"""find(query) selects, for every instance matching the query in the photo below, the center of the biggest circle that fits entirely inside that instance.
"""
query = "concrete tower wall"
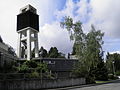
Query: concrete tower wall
(27, 28)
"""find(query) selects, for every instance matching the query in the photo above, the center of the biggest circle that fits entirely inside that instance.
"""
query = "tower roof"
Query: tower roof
(28, 8)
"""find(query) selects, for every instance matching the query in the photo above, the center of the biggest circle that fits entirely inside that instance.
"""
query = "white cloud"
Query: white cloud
(10, 8)
(52, 35)
(104, 14)
(115, 52)
(67, 11)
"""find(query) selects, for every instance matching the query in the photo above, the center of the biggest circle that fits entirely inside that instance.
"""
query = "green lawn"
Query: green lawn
(102, 81)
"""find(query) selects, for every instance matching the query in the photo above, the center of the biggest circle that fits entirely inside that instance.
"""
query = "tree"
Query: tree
(113, 62)
(94, 52)
(43, 52)
(101, 72)
(74, 49)
(87, 47)
(77, 35)
(54, 53)
(11, 50)
(61, 55)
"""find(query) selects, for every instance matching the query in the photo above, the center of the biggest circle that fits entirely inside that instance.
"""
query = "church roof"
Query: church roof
(1, 40)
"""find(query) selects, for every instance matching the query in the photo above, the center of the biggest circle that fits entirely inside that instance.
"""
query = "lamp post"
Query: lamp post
(113, 67)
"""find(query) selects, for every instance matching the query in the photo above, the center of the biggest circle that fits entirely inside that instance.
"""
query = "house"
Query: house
(5, 55)
(62, 68)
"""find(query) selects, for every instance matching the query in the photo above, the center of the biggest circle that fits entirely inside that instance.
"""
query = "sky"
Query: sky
(103, 14)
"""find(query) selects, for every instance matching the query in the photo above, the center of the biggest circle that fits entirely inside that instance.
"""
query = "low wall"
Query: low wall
(34, 84)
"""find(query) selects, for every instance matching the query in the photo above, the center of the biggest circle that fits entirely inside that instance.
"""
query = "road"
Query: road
(110, 86)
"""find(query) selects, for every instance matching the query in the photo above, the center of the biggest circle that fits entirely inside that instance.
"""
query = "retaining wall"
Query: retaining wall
(36, 84)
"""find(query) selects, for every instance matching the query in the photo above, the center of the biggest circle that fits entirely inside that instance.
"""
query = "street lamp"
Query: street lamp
(113, 67)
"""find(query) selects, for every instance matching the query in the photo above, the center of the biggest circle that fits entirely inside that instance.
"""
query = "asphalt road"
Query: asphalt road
(109, 86)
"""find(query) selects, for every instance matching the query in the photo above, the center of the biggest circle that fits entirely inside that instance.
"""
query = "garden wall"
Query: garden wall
(34, 84)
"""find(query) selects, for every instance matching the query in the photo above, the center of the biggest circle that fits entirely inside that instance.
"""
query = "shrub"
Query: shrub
(90, 80)
(34, 75)
(117, 73)
(112, 77)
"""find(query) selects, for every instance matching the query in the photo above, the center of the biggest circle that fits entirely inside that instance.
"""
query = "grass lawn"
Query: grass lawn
(103, 81)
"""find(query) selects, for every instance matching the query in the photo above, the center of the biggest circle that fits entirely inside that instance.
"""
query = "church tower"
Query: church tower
(27, 29)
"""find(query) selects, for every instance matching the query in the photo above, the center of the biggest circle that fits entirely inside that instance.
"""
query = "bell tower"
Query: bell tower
(27, 29)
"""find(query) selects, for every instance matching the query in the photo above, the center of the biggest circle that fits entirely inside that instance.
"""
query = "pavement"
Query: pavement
(113, 85)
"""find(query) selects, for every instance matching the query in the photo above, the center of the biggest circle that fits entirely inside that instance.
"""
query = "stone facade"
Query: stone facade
(5, 56)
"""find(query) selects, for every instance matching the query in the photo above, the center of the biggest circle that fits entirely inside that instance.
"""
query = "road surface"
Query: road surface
(110, 86)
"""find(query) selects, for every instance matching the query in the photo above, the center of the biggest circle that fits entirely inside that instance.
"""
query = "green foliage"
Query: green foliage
(101, 82)
(112, 77)
(101, 72)
(50, 76)
(43, 52)
(117, 73)
(80, 70)
(34, 75)
(90, 79)
(32, 66)
(42, 67)
(33, 69)
(24, 68)
(11, 50)
(53, 53)
(113, 61)
(77, 35)
(61, 55)
(94, 43)
(87, 47)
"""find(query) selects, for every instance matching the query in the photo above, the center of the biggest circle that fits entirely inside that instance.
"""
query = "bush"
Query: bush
(90, 80)
(112, 77)
(34, 75)
(31, 64)
(24, 69)
(101, 72)
(117, 73)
